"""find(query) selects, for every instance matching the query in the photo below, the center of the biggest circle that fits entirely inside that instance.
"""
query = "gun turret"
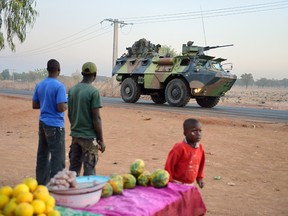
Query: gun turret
(215, 47)
(189, 49)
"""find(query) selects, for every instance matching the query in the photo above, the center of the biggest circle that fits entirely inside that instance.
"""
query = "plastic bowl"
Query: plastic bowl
(83, 200)
(80, 197)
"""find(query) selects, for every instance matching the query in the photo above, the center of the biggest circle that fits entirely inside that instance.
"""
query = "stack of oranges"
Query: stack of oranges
(27, 199)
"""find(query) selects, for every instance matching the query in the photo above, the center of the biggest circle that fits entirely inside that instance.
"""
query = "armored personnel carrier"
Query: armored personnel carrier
(175, 80)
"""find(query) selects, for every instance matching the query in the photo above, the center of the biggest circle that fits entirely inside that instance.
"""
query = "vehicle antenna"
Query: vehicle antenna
(203, 26)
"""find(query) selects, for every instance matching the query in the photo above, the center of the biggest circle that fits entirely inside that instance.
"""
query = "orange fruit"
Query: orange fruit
(20, 188)
(24, 209)
(31, 183)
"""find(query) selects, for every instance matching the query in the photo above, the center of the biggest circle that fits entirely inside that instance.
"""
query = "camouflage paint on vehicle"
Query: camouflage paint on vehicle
(195, 75)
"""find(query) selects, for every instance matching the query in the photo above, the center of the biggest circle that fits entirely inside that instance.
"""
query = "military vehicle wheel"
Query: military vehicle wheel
(208, 102)
(177, 93)
(130, 90)
(158, 98)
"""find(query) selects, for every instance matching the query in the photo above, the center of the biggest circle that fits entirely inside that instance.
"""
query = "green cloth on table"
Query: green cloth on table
(69, 212)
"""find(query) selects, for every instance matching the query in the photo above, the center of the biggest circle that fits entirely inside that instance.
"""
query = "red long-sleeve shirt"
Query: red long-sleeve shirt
(185, 163)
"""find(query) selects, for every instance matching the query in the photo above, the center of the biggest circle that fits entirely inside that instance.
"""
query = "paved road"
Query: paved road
(251, 114)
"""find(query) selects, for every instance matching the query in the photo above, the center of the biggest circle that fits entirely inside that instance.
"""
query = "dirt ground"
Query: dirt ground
(250, 157)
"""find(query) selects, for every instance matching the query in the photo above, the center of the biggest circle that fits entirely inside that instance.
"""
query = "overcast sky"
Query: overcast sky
(71, 31)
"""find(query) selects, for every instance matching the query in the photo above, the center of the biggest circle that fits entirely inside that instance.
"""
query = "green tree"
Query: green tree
(37, 74)
(263, 82)
(17, 16)
(284, 82)
(5, 74)
(247, 79)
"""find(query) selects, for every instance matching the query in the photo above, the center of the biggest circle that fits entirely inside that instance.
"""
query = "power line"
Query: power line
(70, 36)
(57, 45)
(72, 40)
(68, 45)
(208, 13)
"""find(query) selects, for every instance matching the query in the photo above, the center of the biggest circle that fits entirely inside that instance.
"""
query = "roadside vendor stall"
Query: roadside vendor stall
(175, 199)
(116, 195)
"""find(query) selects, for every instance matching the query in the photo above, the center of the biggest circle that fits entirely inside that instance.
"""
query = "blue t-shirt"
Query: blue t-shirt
(50, 92)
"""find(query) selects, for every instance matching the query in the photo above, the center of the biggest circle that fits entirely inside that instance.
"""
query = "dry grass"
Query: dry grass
(269, 98)
(108, 88)
(272, 98)
(17, 85)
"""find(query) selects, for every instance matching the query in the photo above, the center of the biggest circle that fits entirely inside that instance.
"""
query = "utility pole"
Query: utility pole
(115, 42)
(13, 71)
(116, 23)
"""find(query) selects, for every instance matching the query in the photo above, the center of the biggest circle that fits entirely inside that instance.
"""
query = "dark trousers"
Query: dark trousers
(51, 152)
(83, 151)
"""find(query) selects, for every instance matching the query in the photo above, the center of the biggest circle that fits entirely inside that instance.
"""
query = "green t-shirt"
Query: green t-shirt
(82, 98)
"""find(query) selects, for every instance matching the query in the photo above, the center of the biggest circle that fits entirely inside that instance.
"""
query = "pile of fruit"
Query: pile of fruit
(63, 180)
(27, 199)
(137, 176)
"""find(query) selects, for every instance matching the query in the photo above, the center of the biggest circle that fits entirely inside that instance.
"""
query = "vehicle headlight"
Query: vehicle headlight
(196, 90)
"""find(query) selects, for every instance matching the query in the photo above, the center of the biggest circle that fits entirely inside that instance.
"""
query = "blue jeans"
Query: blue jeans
(51, 152)
(83, 152)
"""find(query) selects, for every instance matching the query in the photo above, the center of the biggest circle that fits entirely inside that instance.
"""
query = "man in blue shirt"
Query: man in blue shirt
(50, 97)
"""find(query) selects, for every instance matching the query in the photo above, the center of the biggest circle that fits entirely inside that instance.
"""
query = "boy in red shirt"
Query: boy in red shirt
(186, 160)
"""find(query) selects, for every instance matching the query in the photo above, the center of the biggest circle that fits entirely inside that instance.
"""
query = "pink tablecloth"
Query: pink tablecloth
(173, 200)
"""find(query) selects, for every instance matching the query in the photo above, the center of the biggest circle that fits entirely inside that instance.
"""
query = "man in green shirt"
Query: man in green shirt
(84, 103)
